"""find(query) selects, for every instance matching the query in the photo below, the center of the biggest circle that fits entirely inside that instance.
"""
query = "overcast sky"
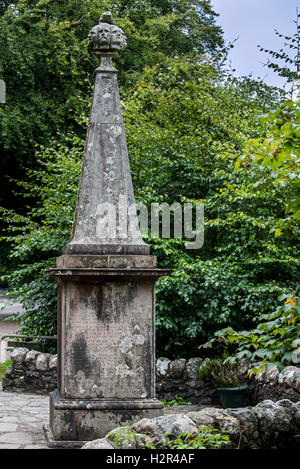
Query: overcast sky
(254, 21)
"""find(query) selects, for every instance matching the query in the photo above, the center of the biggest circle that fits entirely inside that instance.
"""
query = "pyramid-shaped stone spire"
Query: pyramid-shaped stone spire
(105, 218)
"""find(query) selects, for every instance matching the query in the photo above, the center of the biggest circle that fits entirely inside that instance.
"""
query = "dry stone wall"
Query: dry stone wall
(31, 372)
(36, 372)
(180, 377)
(268, 425)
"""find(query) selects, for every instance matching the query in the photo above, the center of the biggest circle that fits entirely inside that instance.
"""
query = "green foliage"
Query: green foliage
(3, 368)
(38, 237)
(278, 157)
(174, 402)
(274, 340)
(207, 438)
(186, 124)
(45, 65)
(124, 438)
(221, 373)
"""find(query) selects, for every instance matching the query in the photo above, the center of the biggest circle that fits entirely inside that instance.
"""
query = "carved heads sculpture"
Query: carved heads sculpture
(118, 38)
(106, 36)
(93, 38)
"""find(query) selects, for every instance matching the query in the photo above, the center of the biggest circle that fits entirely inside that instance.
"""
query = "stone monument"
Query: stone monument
(106, 278)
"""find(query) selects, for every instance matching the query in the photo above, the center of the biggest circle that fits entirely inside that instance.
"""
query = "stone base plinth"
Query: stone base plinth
(106, 345)
(82, 420)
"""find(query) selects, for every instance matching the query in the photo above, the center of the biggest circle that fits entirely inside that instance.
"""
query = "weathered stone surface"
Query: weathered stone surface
(248, 426)
(112, 354)
(105, 218)
(95, 418)
(272, 375)
(94, 261)
(293, 408)
(217, 418)
(31, 356)
(274, 385)
(42, 361)
(162, 367)
(102, 443)
(192, 367)
(180, 377)
(272, 417)
(289, 375)
(106, 36)
(18, 355)
(167, 427)
(177, 368)
(53, 362)
(9, 372)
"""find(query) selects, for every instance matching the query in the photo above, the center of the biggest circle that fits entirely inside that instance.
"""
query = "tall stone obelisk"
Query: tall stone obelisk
(106, 278)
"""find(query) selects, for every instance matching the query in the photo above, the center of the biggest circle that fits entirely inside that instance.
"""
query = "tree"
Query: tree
(286, 61)
(277, 155)
(46, 66)
(279, 151)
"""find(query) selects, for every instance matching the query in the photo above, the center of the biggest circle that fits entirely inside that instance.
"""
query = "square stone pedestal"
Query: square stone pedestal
(106, 345)
(73, 422)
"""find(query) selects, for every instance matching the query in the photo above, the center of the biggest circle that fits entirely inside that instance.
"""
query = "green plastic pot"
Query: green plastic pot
(232, 397)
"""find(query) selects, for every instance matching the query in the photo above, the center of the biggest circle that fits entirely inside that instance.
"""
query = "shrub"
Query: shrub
(274, 340)
(221, 373)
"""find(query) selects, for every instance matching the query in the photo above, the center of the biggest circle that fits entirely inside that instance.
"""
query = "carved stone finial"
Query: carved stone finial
(106, 17)
(106, 36)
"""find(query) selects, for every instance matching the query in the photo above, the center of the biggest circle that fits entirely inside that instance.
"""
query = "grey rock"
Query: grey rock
(272, 418)
(162, 367)
(31, 356)
(18, 355)
(249, 425)
(271, 376)
(53, 362)
(192, 367)
(291, 406)
(289, 375)
(260, 378)
(177, 368)
(216, 418)
(42, 361)
(244, 366)
(102, 443)
(162, 429)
